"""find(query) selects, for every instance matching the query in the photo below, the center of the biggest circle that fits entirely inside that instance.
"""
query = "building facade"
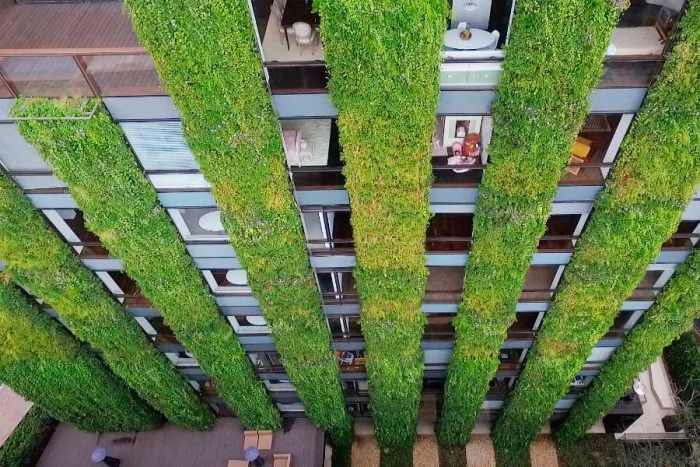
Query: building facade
(90, 50)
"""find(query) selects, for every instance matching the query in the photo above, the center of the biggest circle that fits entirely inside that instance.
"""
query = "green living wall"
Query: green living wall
(45, 364)
(672, 314)
(119, 204)
(36, 258)
(214, 74)
(671, 112)
(683, 363)
(655, 176)
(384, 61)
(23, 447)
(553, 62)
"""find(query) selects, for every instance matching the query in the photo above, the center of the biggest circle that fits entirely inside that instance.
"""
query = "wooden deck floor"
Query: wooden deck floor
(67, 27)
(173, 447)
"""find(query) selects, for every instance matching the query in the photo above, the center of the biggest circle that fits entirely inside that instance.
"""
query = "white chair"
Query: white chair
(462, 25)
(279, 4)
(304, 37)
(496, 35)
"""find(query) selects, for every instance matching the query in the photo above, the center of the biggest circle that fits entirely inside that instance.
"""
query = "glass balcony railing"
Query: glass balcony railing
(79, 75)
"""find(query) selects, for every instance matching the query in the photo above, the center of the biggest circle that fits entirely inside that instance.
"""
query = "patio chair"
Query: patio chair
(250, 438)
(282, 460)
(265, 440)
(276, 16)
(304, 36)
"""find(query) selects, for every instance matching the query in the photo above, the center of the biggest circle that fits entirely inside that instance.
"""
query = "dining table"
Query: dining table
(298, 11)
(480, 39)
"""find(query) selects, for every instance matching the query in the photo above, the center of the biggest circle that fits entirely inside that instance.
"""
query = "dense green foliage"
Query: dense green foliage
(672, 314)
(126, 215)
(45, 364)
(552, 65)
(683, 362)
(37, 259)
(384, 60)
(654, 178)
(215, 77)
(23, 447)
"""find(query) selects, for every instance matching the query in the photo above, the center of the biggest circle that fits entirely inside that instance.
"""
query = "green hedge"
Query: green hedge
(119, 204)
(216, 79)
(37, 259)
(672, 314)
(45, 364)
(683, 362)
(23, 447)
(655, 176)
(384, 61)
(553, 63)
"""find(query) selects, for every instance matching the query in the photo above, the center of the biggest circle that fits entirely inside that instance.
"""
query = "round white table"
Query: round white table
(237, 277)
(211, 221)
(480, 39)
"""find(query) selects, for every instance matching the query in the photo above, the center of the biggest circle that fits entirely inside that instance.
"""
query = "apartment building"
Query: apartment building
(90, 50)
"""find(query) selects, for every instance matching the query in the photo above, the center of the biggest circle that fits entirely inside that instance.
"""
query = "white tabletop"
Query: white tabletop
(479, 40)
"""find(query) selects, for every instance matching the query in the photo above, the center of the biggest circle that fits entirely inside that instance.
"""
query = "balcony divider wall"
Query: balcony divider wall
(42, 362)
(543, 100)
(119, 205)
(656, 175)
(214, 74)
(38, 260)
(384, 62)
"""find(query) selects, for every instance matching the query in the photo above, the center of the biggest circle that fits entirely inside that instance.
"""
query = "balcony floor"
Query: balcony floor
(65, 28)
(172, 447)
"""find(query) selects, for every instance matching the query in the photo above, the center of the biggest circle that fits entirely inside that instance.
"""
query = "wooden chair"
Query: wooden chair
(282, 460)
(237, 464)
(264, 440)
(250, 438)
(580, 152)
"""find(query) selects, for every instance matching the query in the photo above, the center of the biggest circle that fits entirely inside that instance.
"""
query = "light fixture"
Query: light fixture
(471, 5)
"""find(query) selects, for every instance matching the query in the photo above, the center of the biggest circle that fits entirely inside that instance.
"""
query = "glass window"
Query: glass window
(328, 231)
(539, 283)
(45, 76)
(160, 145)
(199, 223)
(460, 148)
(16, 154)
(449, 232)
(445, 284)
(249, 324)
(345, 327)
(439, 327)
(488, 23)
(645, 28)
(227, 281)
(124, 75)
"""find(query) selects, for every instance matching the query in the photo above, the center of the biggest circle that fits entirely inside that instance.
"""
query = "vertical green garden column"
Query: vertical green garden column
(654, 178)
(119, 204)
(384, 59)
(672, 315)
(45, 364)
(214, 74)
(36, 258)
(553, 62)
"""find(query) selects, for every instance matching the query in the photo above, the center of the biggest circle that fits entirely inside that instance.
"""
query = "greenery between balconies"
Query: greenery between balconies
(683, 363)
(672, 314)
(36, 258)
(46, 365)
(214, 75)
(119, 204)
(655, 176)
(384, 61)
(553, 62)
(23, 447)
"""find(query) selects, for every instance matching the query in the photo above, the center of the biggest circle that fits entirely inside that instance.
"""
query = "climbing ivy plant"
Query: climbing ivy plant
(126, 215)
(214, 74)
(553, 62)
(384, 61)
(655, 176)
(45, 364)
(37, 259)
